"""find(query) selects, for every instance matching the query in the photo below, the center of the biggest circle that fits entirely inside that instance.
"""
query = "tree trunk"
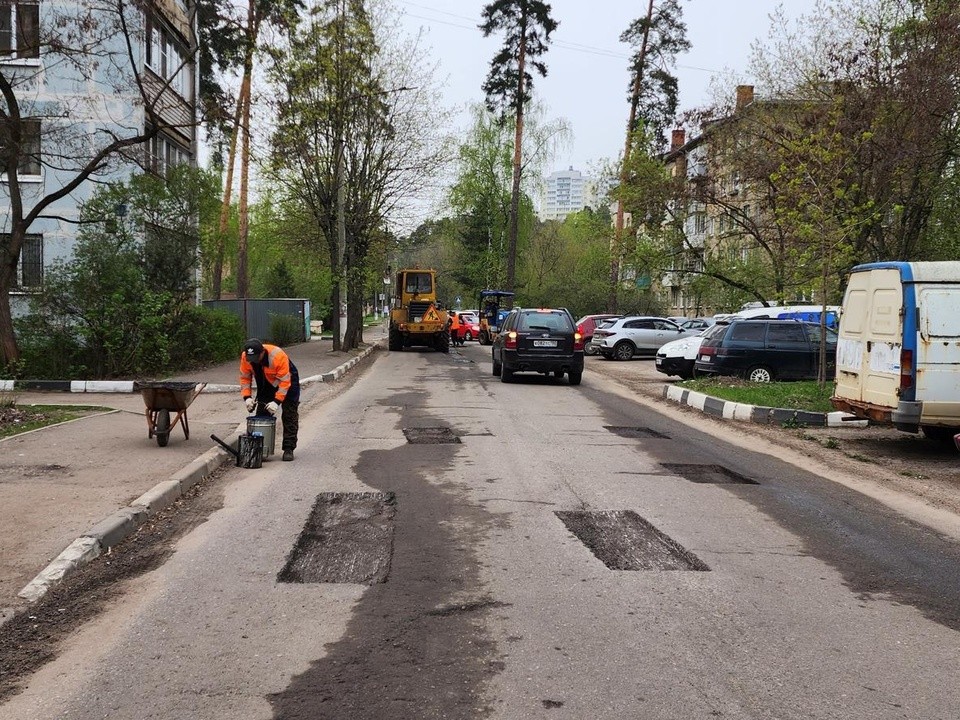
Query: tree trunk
(616, 251)
(514, 226)
(9, 352)
(217, 280)
(244, 224)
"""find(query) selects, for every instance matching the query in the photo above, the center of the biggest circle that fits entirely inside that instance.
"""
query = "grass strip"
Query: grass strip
(800, 395)
(16, 419)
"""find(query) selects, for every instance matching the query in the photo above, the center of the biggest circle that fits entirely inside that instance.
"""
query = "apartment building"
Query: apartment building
(89, 81)
(566, 191)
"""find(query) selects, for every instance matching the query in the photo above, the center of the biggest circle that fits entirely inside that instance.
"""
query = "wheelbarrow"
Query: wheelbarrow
(163, 398)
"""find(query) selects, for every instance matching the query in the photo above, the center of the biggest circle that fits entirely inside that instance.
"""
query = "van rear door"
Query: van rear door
(871, 331)
(938, 344)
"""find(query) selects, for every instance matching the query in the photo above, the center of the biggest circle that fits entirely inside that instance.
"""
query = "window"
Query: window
(19, 30)
(418, 283)
(786, 334)
(166, 56)
(30, 268)
(165, 154)
(747, 332)
(29, 163)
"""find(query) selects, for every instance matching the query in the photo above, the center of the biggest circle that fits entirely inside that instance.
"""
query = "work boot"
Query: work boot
(287, 455)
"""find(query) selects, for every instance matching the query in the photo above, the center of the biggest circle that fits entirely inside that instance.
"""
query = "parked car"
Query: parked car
(544, 340)
(471, 324)
(765, 350)
(586, 326)
(679, 356)
(697, 323)
(636, 335)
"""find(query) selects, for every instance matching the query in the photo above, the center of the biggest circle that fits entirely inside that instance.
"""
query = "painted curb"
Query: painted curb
(129, 386)
(730, 410)
(124, 522)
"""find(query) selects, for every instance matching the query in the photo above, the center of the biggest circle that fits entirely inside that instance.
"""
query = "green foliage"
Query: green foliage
(201, 336)
(280, 284)
(122, 306)
(285, 329)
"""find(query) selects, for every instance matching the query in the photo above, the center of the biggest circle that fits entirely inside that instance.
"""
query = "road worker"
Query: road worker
(278, 386)
(455, 336)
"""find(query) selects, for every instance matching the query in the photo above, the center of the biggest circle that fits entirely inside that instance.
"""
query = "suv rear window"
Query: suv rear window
(545, 320)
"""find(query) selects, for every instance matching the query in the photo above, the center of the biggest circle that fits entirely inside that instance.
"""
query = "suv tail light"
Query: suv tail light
(580, 329)
(578, 340)
(708, 350)
(906, 369)
(511, 341)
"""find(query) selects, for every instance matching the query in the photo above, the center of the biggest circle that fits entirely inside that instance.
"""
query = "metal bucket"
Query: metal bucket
(267, 426)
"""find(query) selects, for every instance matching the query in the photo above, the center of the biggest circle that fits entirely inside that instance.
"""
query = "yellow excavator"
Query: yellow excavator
(415, 318)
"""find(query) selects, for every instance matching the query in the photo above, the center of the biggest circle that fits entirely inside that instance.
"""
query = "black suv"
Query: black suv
(765, 350)
(544, 340)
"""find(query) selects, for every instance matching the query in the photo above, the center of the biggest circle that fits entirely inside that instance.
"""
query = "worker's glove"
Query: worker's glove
(272, 407)
(250, 403)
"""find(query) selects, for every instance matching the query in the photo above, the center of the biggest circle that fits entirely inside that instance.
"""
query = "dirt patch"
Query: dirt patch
(33, 636)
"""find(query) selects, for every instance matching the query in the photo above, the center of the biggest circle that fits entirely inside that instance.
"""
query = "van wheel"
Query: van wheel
(589, 349)
(938, 434)
(623, 350)
(496, 366)
(759, 373)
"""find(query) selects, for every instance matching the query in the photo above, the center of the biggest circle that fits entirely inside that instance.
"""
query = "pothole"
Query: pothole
(622, 540)
(430, 436)
(348, 538)
(713, 474)
(636, 432)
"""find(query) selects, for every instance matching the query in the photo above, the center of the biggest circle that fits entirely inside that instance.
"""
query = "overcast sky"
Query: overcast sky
(587, 80)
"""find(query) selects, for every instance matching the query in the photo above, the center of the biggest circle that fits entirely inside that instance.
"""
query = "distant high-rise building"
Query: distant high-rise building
(566, 193)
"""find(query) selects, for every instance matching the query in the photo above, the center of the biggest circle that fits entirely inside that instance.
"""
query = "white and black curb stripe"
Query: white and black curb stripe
(128, 386)
(729, 410)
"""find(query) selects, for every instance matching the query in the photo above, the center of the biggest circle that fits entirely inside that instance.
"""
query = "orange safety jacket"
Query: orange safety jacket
(276, 371)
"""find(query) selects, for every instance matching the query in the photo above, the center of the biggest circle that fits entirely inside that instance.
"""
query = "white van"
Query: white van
(898, 357)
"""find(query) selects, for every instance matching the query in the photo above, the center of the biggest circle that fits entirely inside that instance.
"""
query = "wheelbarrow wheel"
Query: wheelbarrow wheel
(163, 427)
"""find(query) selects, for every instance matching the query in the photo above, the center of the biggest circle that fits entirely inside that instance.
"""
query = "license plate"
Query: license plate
(544, 343)
(705, 358)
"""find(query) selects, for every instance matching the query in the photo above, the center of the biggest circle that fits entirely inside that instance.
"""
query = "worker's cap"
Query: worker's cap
(252, 349)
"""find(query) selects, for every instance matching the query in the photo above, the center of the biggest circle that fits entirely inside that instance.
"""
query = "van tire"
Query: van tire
(760, 373)
(496, 366)
(938, 433)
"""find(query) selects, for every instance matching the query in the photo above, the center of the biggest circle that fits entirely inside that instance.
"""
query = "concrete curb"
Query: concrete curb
(729, 410)
(124, 522)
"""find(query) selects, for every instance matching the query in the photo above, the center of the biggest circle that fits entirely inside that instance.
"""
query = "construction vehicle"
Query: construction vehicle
(491, 314)
(415, 318)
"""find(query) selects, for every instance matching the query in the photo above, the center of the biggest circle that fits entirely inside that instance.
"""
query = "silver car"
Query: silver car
(636, 335)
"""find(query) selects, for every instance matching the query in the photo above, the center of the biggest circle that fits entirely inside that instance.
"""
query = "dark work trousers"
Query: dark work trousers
(290, 407)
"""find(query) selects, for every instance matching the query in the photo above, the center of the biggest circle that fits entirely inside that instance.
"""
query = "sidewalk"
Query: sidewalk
(84, 485)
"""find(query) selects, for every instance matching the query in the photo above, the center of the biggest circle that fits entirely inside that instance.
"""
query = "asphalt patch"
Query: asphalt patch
(636, 432)
(622, 540)
(348, 538)
(431, 436)
(708, 474)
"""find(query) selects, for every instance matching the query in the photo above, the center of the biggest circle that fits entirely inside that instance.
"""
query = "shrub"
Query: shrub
(286, 329)
(200, 336)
